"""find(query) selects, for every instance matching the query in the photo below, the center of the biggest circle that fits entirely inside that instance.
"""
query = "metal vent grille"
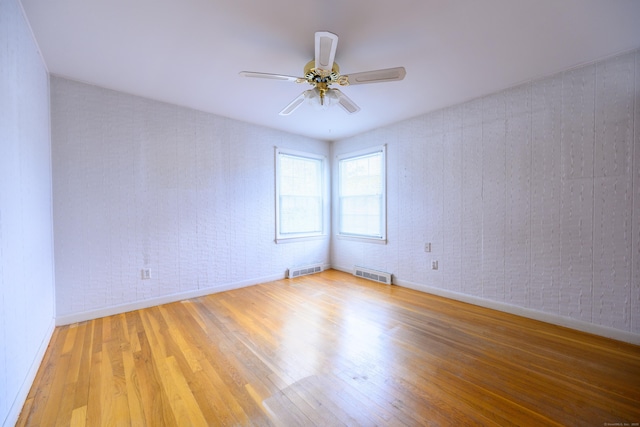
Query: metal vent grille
(375, 275)
(303, 271)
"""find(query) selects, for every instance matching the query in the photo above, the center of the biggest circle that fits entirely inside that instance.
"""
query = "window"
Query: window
(299, 195)
(361, 194)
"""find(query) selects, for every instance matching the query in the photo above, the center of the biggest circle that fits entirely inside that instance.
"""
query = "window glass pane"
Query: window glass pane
(361, 207)
(300, 195)
(361, 215)
(300, 176)
(300, 214)
(361, 175)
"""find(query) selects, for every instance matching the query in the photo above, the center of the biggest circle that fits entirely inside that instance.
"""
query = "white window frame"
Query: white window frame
(382, 238)
(297, 236)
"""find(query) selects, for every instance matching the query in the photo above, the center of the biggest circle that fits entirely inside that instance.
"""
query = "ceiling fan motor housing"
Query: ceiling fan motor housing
(314, 75)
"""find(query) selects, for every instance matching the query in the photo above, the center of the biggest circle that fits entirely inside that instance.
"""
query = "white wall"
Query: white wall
(26, 247)
(143, 184)
(530, 198)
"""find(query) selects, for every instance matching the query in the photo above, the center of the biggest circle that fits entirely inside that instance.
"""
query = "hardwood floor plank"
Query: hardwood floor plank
(73, 340)
(94, 398)
(69, 341)
(107, 389)
(209, 389)
(79, 417)
(27, 408)
(134, 397)
(287, 413)
(38, 396)
(235, 386)
(81, 361)
(231, 371)
(330, 349)
(181, 397)
(156, 408)
(53, 399)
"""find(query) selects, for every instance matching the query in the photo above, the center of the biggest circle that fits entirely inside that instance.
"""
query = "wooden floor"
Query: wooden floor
(329, 350)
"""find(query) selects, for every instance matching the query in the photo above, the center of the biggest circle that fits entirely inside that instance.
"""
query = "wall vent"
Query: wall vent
(375, 275)
(303, 271)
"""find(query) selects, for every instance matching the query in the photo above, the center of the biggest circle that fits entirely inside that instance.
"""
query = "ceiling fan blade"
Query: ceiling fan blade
(377, 76)
(346, 103)
(326, 44)
(293, 105)
(270, 76)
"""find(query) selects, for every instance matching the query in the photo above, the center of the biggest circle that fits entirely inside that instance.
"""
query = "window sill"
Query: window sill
(362, 239)
(299, 239)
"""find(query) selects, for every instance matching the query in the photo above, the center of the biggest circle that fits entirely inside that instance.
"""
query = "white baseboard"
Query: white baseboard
(554, 319)
(23, 393)
(165, 299)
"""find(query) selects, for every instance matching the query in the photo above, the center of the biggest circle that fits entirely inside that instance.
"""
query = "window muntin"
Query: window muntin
(361, 194)
(299, 195)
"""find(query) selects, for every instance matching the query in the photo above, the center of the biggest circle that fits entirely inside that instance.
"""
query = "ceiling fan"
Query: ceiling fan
(323, 71)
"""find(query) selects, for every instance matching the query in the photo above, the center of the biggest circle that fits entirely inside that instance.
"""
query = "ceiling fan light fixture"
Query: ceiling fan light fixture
(332, 96)
(321, 99)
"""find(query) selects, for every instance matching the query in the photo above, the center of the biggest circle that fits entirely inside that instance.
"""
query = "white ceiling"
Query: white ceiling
(189, 52)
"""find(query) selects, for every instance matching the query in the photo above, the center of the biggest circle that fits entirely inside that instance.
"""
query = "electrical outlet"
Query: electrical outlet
(434, 265)
(427, 247)
(145, 274)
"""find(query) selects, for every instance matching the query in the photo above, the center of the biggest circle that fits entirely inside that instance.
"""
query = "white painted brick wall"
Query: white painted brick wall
(634, 304)
(494, 197)
(546, 242)
(613, 203)
(451, 201)
(471, 190)
(538, 197)
(576, 206)
(26, 244)
(143, 184)
(518, 194)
